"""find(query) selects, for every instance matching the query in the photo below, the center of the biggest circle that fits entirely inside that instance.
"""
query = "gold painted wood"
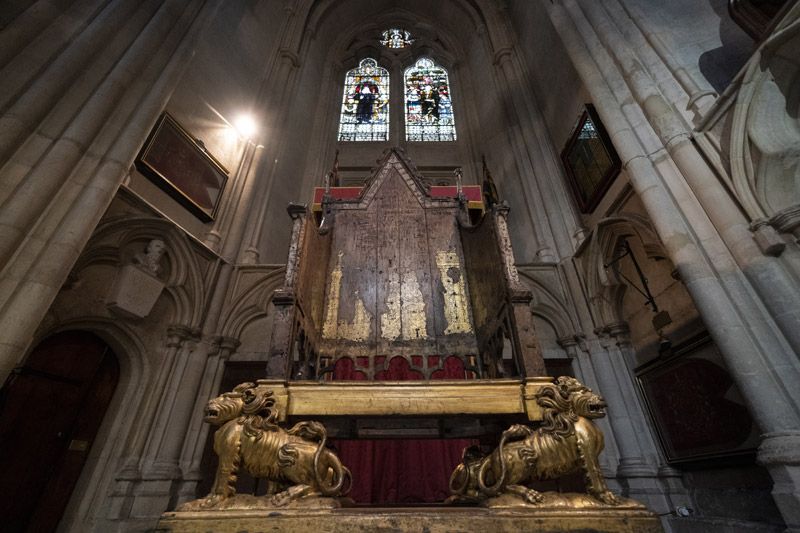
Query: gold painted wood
(430, 519)
(408, 398)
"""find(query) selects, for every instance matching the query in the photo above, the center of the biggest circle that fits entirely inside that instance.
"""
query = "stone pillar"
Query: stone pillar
(700, 100)
(194, 444)
(130, 474)
(759, 357)
(619, 394)
(65, 147)
(765, 273)
(640, 470)
(273, 94)
(238, 198)
(508, 73)
(780, 454)
(578, 351)
(160, 467)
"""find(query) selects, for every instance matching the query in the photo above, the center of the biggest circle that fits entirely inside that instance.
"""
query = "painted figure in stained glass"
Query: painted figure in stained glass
(429, 110)
(366, 93)
(365, 105)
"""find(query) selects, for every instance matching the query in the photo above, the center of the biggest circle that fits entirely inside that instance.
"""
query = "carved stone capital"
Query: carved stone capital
(177, 335)
(577, 341)
(780, 448)
(567, 341)
(767, 237)
(224, 346)
(787, 220)
(617, 332)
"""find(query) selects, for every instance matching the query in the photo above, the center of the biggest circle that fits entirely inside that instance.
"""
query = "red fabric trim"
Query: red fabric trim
(391, 471)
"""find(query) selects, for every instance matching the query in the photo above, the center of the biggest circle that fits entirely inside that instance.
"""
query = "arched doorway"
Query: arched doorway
(50, 410)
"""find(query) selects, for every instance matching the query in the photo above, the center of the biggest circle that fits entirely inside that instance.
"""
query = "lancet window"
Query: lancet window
(365, 103)
(429, 110)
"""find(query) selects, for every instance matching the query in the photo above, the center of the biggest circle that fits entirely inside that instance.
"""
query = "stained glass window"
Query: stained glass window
(365, 104)
(429, 111)
(396, 38)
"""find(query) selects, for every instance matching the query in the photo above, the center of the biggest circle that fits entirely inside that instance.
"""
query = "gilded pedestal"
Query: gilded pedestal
(623, 518)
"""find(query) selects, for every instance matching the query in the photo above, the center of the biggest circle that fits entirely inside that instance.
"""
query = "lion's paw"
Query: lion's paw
(281, 499)
(525, 494)
(534, 497)
(211, 501)
(609, 498)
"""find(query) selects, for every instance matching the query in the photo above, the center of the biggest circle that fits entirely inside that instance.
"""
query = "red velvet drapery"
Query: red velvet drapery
(392, 471)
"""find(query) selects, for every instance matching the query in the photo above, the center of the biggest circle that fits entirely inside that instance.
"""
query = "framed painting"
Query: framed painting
(176, 162)
(698, 410)
(590, 160)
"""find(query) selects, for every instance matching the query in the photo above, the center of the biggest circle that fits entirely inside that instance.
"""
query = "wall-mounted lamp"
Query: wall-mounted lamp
(245, 125)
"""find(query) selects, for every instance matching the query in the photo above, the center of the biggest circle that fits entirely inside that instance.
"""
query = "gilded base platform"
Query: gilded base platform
(413, 519)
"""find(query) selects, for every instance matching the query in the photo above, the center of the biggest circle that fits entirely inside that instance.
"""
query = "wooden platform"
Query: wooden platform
(413, 519)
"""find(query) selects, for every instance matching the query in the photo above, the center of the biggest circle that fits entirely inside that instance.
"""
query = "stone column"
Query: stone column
(238, 196)
(765, 274)
(508, 72)
(578, 351)
(274, 94)
(196, 435)
(700, 100)
(130, 473)
(65, 147)
(618, 393)
(641, 471)
(171, 419)
(186, 343)
(758, 356)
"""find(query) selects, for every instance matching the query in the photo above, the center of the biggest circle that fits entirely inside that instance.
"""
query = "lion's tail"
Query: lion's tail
(494, 490)
(459, 480)
(516, 431)
(341, 475)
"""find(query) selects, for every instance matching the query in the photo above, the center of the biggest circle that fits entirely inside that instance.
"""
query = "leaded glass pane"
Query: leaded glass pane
(365, 104)
(396, 38)
(429, 110)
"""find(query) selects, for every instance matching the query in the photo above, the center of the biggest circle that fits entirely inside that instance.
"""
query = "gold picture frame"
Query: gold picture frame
(180, 165)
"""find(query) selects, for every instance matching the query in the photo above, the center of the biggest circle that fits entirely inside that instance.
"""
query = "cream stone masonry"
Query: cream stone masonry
(729, 278)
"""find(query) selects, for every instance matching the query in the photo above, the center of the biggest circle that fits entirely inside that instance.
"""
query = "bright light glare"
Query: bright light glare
(245, 125)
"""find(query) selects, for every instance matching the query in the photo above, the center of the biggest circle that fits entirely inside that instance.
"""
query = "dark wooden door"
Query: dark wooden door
(50, 411)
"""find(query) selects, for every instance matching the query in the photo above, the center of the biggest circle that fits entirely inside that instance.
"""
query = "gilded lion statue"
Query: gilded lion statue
(566, 442)
(295, 462)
